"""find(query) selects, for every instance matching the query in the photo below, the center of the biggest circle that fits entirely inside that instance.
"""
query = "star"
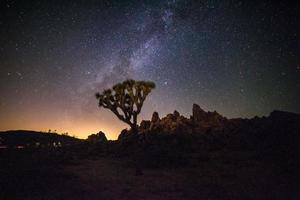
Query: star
(223, 56)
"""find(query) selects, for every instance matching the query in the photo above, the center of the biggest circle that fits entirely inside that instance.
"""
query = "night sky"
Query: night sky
(240, 58)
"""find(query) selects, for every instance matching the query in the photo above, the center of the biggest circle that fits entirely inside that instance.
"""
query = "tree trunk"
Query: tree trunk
(138, 153)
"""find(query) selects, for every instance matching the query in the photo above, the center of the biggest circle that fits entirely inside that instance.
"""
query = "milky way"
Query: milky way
(240, 58)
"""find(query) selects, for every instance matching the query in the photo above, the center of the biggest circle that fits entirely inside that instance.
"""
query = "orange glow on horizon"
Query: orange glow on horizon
(80, 128)
(77, 121)
(82, 133)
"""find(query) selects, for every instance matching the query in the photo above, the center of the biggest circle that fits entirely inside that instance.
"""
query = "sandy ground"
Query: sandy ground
(112, 179)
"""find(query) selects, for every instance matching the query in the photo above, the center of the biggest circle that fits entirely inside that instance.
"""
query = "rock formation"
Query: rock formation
(97, 138)
(207, 119)
(155, 117)
(145, 125)
(211, 124)
(200, 121)
(154, 123)
(198, 113)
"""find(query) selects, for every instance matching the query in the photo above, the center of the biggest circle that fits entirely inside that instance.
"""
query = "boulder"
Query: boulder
(175, 123)
(207, 119)
(145, 124)
(176, 114)
(124, 134)
(97, 138)
(155, 117)
(155, 120)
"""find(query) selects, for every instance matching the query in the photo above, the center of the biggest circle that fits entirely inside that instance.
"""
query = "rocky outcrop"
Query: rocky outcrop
(209, 131)
(200, 121)
(97, 138)
(155, 120)
(212, 123)
(284, 116)
(155, 117)
(198, 113)
(176, 114)
(175, 123)
(124, 134)
(172, 123)
(207, 119)
(145, 125)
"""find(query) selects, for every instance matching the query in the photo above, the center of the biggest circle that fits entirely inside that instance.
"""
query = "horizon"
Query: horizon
(116, 136)
(238, 58)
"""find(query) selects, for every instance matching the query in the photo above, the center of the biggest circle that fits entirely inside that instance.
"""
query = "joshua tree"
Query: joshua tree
(126, 99)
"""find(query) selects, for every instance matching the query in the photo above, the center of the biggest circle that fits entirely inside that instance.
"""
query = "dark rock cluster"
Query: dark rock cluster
(200, 121)
(212, 130)
(97, 138)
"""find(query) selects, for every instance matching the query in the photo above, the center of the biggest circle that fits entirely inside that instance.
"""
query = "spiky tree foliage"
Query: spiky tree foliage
(126, 99)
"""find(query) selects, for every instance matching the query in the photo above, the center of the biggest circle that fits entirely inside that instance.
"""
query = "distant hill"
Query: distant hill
(24, 138)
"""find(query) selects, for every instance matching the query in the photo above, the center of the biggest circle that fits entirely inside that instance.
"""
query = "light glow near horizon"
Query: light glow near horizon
(236, 57)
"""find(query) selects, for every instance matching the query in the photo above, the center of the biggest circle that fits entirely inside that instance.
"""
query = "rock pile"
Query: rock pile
(97, 138)
(200, 121)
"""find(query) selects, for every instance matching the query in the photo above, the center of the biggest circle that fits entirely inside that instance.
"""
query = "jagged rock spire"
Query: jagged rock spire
(155, 117)
(198, 113)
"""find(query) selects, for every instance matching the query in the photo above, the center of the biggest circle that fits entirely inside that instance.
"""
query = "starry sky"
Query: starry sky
(240, 58)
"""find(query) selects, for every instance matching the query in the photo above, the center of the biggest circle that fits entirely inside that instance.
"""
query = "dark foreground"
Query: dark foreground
(226, 174)
(204, 157)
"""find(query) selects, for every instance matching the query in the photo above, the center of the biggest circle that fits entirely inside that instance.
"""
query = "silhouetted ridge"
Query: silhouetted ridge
(201, 122)
(284, 116)
(33, 138)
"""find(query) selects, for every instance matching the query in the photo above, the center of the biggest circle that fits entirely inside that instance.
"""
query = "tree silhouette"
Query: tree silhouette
(126, 99)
